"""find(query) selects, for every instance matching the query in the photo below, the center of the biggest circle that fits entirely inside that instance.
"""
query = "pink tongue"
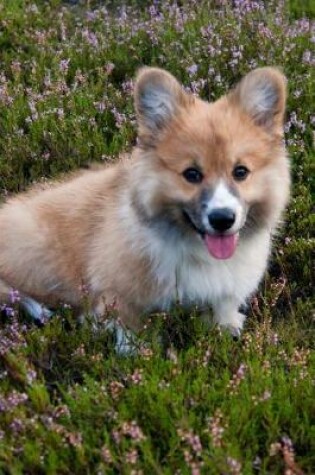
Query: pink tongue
(221, 247)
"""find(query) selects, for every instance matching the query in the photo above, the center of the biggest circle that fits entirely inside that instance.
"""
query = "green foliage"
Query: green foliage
(202, 403)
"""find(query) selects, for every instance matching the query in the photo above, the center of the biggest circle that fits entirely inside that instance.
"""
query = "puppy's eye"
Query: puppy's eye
(240, 173)
(193, 175)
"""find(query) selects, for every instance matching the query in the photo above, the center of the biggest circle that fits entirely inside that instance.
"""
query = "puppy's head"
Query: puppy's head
(216, 171)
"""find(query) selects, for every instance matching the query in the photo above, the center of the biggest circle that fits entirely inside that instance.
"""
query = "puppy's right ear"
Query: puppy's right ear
(158, 98)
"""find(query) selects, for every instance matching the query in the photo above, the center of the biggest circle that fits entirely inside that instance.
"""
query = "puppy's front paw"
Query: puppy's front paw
(124, 338)
(37, 311)
(234, 331)
(233, 322)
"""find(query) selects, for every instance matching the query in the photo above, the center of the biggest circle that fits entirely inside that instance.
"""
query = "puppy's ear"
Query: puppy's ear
(262, 95)
(158, 98)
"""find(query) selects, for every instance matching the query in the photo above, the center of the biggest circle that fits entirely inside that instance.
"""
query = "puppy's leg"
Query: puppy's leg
(227, 315)
(37, 311)
(125, 326)
(125, 339)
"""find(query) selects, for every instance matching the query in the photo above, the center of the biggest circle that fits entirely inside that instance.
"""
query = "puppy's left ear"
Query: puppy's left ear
(262, 95)
(158, 98)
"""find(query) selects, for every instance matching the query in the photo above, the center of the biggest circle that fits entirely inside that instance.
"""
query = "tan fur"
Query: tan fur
(87, 231)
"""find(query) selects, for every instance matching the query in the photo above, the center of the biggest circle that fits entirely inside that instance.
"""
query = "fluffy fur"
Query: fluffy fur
(136, 232)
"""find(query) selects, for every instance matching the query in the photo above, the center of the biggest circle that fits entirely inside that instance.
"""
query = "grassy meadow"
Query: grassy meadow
(203, 403)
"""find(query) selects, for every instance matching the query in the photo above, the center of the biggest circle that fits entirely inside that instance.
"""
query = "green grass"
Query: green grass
(202, 402)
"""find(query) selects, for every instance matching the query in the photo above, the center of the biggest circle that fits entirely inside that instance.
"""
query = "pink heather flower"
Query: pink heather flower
(12, 400)
(91, 15)
(63, 32)
(192, 70)
(115, 389)
(274, 338)
(132, 457)
(241, 371)
(234, 466)
(237, 378)
(16, 425)
(47, 80)
(31, 375)
(100, 106)
(252, 64)
(12, 335)
(74, 439)
(187, 456)
(133, 430)
(90, 37)
(123, 15)
(5, 98)
(286, 449)
(60, 113)
(216, 428)
(264, 31)
(14, 296)
(266, 395)
(153, 11)
(136, 377)
(106, 455)
(297, 93)
(16, 67)
(120, 119)
(79, 79)
(196, 86)
(307, 56)
(40, 37)
(80, 351)
(128, 86)
(32, 9)
(92, 121)
(109, 67)
(116, 435)
(145, 352)
(191, 439)
(64, 65)
(61, 411)
(278, 288)
(32, 107)
(9, 311)
(195, 444)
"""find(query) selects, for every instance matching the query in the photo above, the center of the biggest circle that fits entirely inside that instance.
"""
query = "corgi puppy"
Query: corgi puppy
(189, 216)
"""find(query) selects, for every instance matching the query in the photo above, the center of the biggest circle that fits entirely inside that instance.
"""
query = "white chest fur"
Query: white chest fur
(188, 273)
(183, 269)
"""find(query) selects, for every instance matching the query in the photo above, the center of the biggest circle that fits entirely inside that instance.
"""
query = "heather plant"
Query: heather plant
(201, 402)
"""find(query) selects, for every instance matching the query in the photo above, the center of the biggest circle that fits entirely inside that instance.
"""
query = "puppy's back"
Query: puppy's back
(45, 235)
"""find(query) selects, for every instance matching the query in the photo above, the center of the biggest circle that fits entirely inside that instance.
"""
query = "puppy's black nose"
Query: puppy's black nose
(221, 219)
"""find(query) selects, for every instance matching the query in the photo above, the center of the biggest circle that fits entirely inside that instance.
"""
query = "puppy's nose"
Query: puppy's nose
(221, 219)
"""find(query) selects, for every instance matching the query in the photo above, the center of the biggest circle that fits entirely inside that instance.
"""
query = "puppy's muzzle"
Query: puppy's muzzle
(221, 219)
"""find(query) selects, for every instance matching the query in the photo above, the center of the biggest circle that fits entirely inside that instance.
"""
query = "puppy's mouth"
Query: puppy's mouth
(219, 245)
